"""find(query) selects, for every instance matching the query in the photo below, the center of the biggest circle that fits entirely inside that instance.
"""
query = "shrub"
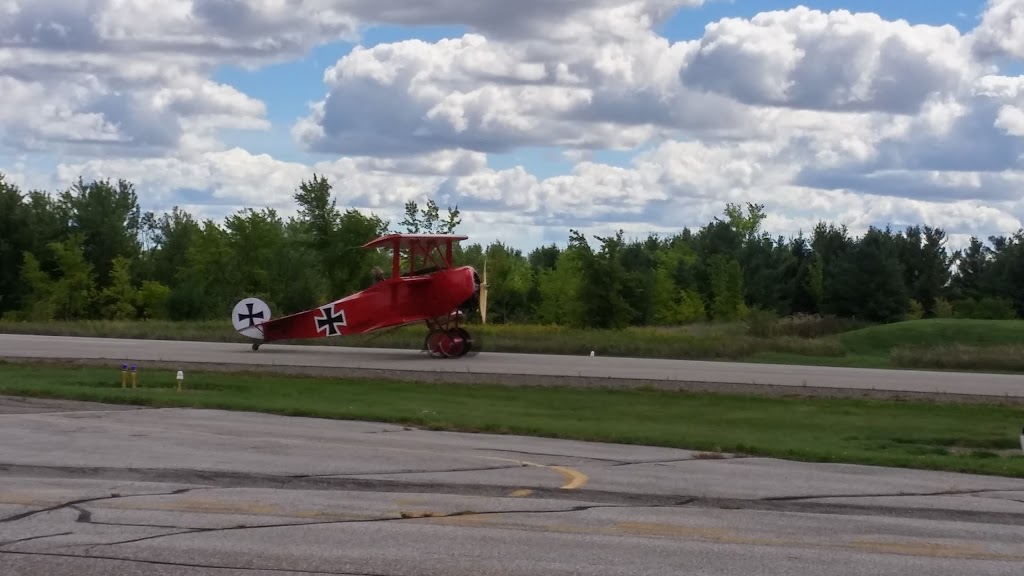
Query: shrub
(761, 323)
(988, 308)
(816, 325)
(943, 308)
(1008, 358)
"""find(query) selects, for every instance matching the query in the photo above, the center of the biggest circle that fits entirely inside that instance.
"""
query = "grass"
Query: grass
(939, 344)
(964, 438)
(845, 361)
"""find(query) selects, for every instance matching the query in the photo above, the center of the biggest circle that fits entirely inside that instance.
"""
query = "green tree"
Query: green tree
(152, 300)
(510, 280)
(295, 268)
(37, 304)
(171, 239)
(747, 226)
(428, 219)
(674, 299)
(1004, 277)
(869, 280)
(107, 218)
(559, 289)
(690, 307)
(336, 237)
(15, 241)
(805, 278)
(726, 288)
(603, 282)
(925, 265)
(971, 265)
(207, 285)
(832, 246)
(90, 252)
(117, 301)
(252, 241)
(73, 293)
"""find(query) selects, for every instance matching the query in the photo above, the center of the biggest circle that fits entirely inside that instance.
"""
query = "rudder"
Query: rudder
(248, 315)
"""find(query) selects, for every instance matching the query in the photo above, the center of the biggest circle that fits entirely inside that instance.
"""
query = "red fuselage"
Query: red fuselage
(409, 299)
(392, 302)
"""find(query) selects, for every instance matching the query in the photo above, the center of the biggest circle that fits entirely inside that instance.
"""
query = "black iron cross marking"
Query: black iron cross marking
(329, 321)
(251, 316)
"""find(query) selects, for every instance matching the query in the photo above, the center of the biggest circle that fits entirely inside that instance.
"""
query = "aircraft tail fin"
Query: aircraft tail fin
(248, 316)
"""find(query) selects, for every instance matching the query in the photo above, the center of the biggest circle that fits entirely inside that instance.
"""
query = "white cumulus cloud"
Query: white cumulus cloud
(839, 115)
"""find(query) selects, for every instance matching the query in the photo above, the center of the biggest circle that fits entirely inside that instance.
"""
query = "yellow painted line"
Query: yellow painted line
(574, 478)
(521, 493)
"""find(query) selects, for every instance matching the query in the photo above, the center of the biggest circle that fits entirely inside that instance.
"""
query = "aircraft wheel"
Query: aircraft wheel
(255, 346)
(439, 344)
(464, 341)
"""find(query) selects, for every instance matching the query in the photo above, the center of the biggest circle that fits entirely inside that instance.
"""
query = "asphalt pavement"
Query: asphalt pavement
(88, 489)
(512, 368)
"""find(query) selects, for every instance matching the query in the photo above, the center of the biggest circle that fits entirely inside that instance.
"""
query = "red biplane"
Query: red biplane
(431, 290)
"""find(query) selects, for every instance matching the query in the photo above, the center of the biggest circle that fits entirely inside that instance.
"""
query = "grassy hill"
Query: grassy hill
(938, 332)
(937, 344)
(944, 344)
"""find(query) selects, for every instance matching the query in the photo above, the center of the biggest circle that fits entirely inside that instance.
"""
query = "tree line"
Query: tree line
(90, 252)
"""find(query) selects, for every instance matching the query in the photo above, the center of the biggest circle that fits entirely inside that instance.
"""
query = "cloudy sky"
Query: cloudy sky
(645, 115)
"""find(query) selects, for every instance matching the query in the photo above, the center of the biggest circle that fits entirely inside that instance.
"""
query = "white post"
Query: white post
(181, 376)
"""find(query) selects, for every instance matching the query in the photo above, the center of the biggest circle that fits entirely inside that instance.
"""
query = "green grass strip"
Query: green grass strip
(913, 434)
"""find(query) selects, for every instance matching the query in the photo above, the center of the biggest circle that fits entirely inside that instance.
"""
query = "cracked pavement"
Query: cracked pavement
(90, 489)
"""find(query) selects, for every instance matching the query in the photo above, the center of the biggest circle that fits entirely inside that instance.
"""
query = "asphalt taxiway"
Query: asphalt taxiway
(513, 368)
(88, 489)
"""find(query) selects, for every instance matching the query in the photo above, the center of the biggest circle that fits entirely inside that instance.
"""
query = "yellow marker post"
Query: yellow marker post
(124, 375)
(134, 377)
(181, 376)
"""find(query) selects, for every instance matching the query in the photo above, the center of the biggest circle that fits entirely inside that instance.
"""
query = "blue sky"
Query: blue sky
(288, 88)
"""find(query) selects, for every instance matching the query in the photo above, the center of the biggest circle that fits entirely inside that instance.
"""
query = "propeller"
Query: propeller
(483, 295)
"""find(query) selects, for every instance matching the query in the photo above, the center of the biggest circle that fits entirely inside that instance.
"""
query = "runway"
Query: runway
(94, 490)
(512, 368)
